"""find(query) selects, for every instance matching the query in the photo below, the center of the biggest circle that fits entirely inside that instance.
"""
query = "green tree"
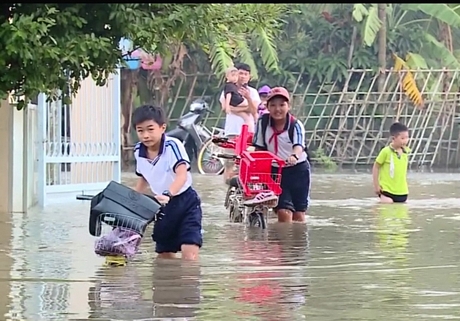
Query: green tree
(45, 45)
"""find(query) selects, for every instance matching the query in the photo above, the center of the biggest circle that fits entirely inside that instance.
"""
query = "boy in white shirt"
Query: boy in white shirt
(282, 134)
(163, 164)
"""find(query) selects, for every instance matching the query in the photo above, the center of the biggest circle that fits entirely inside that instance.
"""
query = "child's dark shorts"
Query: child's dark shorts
(181, 223)
(295, 183)
(395, 198)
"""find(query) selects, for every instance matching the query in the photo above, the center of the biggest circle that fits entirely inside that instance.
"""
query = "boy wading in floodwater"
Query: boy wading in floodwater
(282, 134)
(389, 173)
(163, 164)
(232, 98)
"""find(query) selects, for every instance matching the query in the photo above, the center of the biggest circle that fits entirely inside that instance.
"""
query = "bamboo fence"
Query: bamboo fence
(348, 121)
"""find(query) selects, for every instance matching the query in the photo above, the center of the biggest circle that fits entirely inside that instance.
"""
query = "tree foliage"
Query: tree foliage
(44, 45)
(323, 41)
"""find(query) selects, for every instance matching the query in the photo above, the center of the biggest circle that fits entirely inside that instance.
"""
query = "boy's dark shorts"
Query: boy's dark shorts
(295, 183)
(395, 198)
(181, 223)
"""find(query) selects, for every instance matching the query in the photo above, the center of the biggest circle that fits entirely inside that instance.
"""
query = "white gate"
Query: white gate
(79, 144)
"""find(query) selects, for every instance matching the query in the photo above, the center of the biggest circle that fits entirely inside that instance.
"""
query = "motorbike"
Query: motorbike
(194, 135)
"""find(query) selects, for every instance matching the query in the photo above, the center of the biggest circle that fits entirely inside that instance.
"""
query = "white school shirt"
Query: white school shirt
(285, 145)
(160, 172)
(233, 123)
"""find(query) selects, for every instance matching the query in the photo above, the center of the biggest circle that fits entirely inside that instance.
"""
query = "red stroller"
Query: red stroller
(246, 197)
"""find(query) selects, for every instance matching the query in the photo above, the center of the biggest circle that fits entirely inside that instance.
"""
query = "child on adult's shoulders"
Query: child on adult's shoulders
(389, 173)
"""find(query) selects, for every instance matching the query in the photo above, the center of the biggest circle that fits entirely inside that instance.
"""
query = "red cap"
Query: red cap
(279, 91)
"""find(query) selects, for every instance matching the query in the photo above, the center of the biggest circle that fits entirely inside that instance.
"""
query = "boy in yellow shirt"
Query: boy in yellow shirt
(389, 173)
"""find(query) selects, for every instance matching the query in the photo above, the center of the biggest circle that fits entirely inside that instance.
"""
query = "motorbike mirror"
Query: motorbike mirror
(207, 99)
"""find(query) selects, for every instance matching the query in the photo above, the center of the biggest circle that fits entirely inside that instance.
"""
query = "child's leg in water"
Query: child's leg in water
(385, 199)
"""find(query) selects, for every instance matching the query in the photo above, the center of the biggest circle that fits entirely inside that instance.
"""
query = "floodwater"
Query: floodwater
(353, 260)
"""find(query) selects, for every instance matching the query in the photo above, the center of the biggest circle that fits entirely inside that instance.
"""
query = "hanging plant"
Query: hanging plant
(132, 63)
(148, 61)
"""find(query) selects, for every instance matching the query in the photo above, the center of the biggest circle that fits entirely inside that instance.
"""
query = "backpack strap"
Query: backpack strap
(292, 122)
(264, 124)
(264, 119)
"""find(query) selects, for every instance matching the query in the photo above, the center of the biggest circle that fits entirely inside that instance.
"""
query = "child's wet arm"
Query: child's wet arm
(379, 161)
(375, 174)
(141, 185)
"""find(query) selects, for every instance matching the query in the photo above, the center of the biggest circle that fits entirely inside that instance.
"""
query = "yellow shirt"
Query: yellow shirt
(393, 171)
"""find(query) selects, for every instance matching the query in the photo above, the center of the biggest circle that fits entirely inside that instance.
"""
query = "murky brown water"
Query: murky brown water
(356, 261)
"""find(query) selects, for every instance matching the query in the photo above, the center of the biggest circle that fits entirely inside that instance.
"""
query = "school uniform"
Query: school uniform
(181, 222)
(295, 179)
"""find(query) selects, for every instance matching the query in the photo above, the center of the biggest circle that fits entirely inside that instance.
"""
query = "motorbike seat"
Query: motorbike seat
(178, 133)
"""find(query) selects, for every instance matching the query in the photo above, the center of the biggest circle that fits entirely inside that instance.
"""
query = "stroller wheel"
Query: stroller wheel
(257, 219)
(115, 261)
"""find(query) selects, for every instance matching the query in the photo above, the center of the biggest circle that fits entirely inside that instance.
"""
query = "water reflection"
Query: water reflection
(120, 294)
(392, 234)
(357, 260)
(393, 221)
(176, 288)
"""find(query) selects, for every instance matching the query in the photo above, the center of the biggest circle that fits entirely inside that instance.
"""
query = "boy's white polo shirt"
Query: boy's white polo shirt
(160, 172)
(283, 147)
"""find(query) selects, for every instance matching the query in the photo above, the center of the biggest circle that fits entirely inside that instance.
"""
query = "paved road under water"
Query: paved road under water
(353, 260)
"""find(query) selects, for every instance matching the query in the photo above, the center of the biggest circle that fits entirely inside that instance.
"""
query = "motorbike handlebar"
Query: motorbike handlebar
(226, 156)
(219, 140)
(84, 197)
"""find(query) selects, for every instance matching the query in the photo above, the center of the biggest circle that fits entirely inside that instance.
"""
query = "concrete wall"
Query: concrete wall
(17, 158)
(6, 141)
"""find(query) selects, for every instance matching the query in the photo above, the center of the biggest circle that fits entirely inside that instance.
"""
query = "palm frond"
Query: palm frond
(244, 53)
(220, 56)
(266, 45)
(415, 61)
(438, 50)
(371, 26)
(359, 12)
(441, 12)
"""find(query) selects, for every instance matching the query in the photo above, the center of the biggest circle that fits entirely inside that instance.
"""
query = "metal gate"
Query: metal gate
(79, 144)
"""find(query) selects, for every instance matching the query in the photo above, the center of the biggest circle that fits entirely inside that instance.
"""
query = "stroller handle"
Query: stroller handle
(83, 197)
